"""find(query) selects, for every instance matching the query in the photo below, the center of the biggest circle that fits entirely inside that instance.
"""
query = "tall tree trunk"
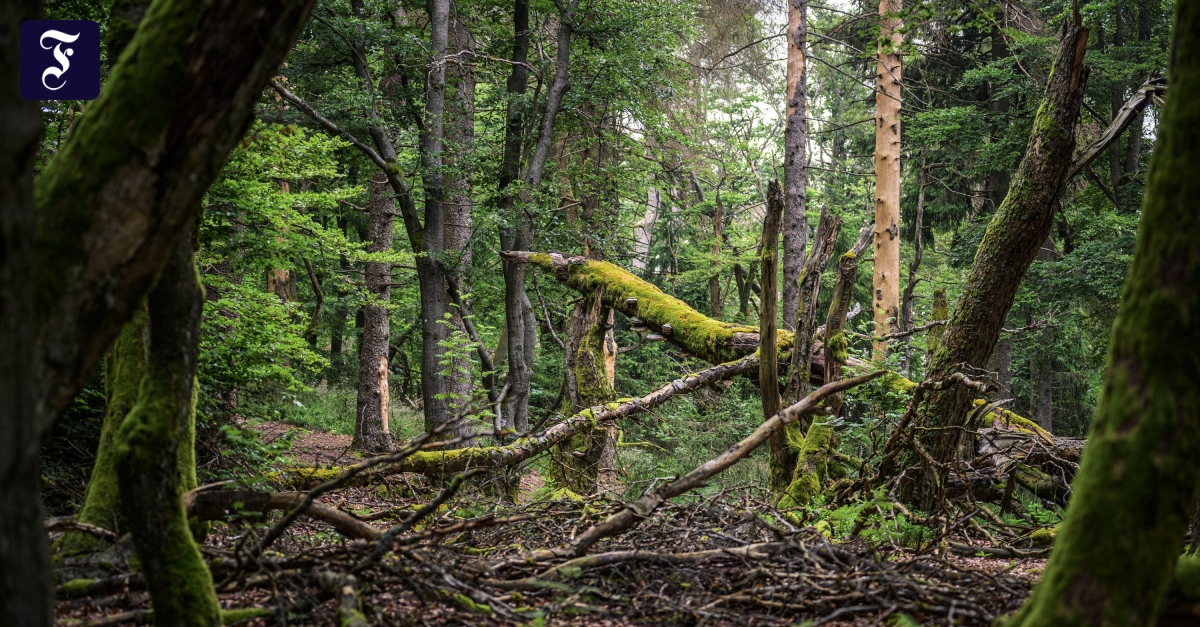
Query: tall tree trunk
(166, 123)
(1135, 490)
(1042, 392)
(907, 297)
(590, 348)
(371, 429)
(460, 144)
(25, 592)
(519, 322)
(886, 283)
(1012, 240)
(1001, 364)
(434, 299)
(1116, 101)
(123, 371)
(1133, 151)
(519, 316)
(795, 165)
(644, 229)
(1042, 369)
(837, 345)
(768, 316)
(148, 443)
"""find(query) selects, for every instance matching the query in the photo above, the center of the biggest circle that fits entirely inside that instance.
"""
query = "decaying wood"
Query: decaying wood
(1152, 90)
(634, 512)
(454, 460)
(222, 504)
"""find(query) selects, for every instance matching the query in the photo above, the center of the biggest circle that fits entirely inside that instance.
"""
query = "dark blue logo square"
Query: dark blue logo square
(60, 60)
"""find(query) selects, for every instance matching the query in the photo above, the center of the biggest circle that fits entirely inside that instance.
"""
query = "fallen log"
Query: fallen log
(639, 510)
(222, 504)
(456, 460)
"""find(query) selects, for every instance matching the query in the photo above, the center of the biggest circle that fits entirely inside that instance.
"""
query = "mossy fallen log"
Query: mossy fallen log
(456, 460)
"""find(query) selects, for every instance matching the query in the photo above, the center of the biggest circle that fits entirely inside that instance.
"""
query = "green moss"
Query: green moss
(812, 464)
(125, 125)
(232, 617)
(560, 494)
(699, 334)
(1015, 421)
(465, 602)
(1043, 536)
(123, 375)
(77, 587)
(1186, 580)
(839, 345)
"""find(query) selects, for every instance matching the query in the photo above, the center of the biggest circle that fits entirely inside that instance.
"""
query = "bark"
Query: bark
(837, 345)
(435, 389)
(371, 429)
(588, 459)
(795, 162)
(519, 321)
(643, 230)
(907, 297)
(25, 592)
(123, 371)
(887, 174)
(937, 333)
(460, 143)
(1001, 364)
(810, 290)
(109, 207)
(1011, 242)
(1116, 95)
(768, 350)
(1135, 490)
(180, 585)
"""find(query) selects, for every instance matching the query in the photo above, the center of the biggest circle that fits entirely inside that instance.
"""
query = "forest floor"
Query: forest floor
(723, 559)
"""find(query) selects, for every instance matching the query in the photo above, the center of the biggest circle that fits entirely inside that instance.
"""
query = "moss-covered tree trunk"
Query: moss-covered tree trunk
(1011, 241)
(180, 586)
(109, 206)
(589, 458)
(1135, 490)
(25, 593)
(123, 372)
(800, 370)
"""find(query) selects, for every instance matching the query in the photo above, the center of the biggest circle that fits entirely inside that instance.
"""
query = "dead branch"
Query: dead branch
(1152, 90)
(634, 512)
(69, 523)
(223, 504)
(455, 460)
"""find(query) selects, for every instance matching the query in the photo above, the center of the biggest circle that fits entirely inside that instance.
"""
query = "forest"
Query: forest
(602, 313)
